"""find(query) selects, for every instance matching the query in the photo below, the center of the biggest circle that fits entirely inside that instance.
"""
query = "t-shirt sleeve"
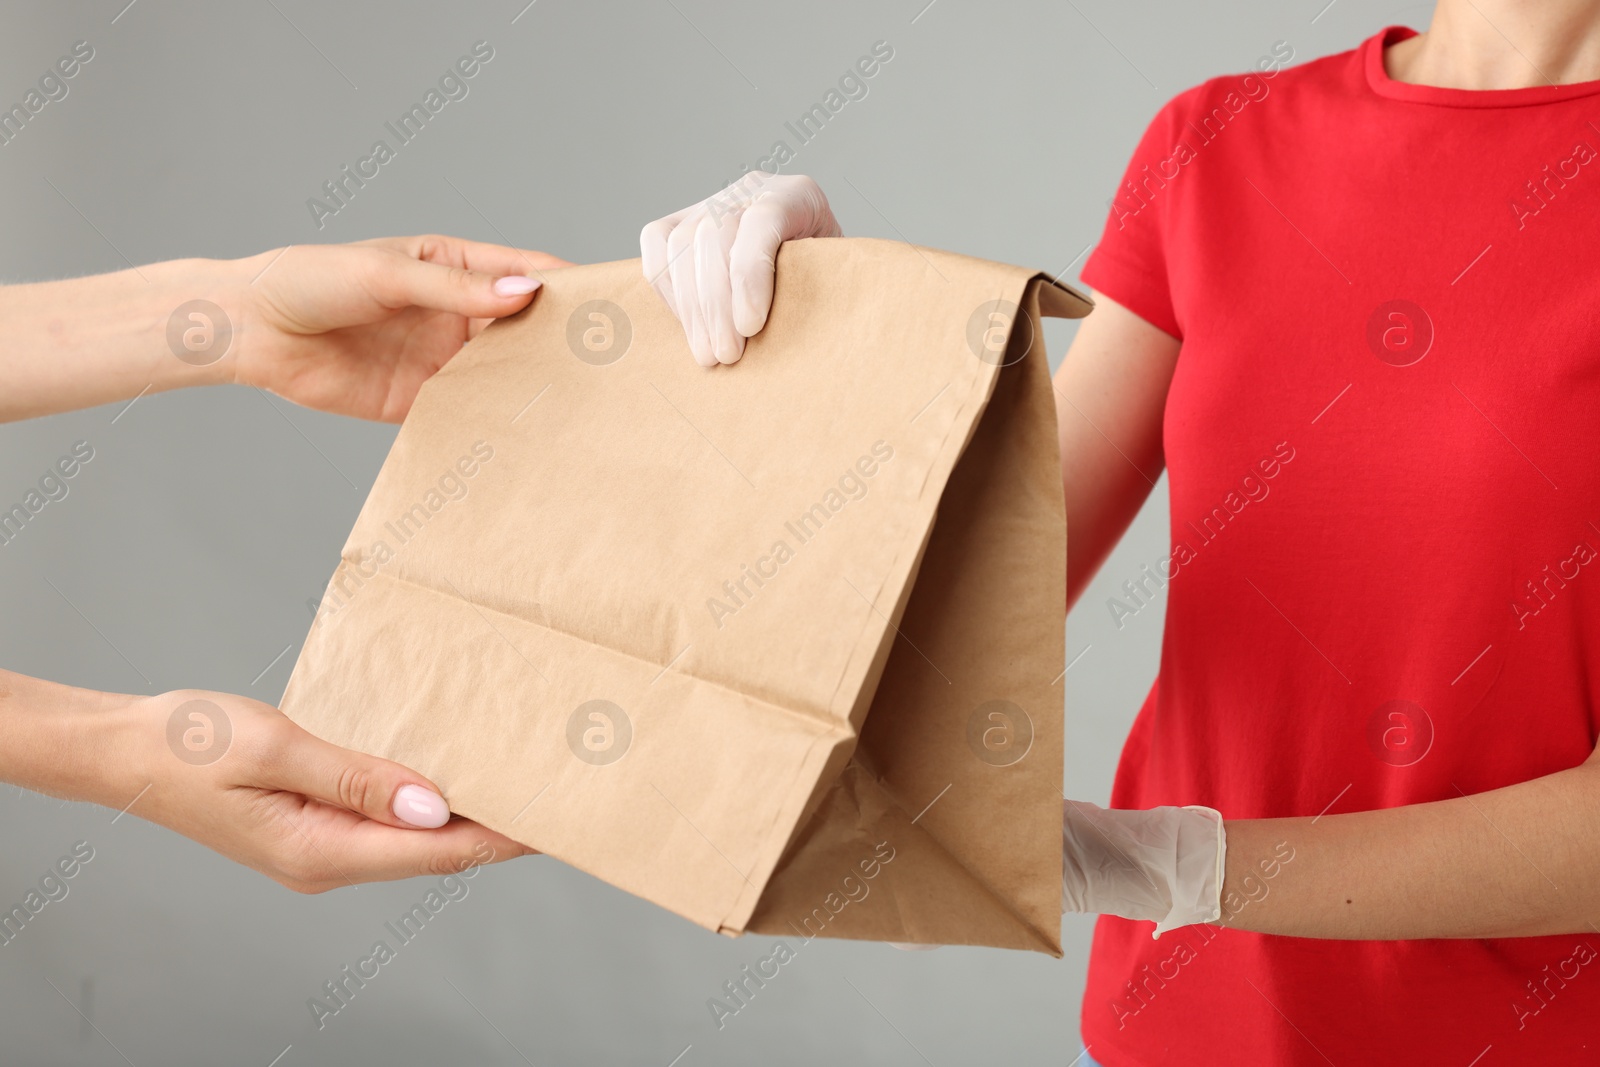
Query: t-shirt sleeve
(1131, 264)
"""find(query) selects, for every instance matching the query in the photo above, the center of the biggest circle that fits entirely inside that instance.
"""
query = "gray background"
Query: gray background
(193, 541)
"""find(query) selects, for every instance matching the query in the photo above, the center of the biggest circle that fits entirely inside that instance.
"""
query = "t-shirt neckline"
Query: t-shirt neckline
(1378, 78)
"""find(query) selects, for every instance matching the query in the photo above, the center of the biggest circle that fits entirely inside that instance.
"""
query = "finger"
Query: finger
(712, 241)
(653, 253)
(752, 261)
(499, 260)
(458, 848)
(399, 281)
(340, 850)
(383, 791)
(681, 267)
(505, 261)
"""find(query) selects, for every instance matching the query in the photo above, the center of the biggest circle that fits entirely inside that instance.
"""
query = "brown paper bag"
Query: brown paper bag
(778, 646)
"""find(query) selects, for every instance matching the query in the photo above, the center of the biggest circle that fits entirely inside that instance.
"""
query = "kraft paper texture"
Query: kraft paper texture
(777, 646)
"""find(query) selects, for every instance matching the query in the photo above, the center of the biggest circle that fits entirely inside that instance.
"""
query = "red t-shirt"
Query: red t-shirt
(1383, 588)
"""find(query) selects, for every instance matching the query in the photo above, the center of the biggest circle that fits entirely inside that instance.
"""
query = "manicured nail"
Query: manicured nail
(516, 285)
(419, 807)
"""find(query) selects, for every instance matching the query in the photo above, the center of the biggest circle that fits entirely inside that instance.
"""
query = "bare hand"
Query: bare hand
(356, 329)
(239, 777)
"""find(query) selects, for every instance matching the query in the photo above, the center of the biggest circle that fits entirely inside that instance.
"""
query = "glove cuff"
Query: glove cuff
(1201, 860)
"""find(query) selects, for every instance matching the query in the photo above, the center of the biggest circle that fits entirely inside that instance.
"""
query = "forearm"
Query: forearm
(62, 741)
(1513, 862)
(86, 341)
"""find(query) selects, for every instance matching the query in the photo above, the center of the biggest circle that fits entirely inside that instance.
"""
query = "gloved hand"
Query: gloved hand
(713, 262)
(1164, 864)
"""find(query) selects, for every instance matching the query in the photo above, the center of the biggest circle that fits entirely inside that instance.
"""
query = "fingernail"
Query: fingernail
(419, 807)
(516, 285)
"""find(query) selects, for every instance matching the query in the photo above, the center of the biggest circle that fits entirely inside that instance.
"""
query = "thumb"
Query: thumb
(471, 293)
(752, 261)
(384, 792)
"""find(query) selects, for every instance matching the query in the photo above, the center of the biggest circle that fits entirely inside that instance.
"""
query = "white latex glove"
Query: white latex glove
(1164, 865)
(713, 262)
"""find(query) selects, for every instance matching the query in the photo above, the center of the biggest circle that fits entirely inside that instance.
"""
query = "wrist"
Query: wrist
(1200, 862)
(200, 309)
(1163, 865)
(77, 744)
(110, 338)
